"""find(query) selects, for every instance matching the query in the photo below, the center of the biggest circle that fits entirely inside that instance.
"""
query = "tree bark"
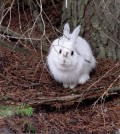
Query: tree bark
(100, 21)
(1, 8)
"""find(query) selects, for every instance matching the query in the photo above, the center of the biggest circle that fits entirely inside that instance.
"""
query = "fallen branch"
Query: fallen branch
(15, 35)
(10, 32)
(114, 90)
(64, 99)
(12, 46)
(71, 98)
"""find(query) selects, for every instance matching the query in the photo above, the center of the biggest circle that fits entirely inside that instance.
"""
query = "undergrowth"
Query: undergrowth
(11, 110)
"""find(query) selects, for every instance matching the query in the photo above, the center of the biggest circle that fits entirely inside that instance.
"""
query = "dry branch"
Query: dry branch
(14, 47)
(64, 99)
(15, 35)
(71, 98)
(10, 32)
(114, 90)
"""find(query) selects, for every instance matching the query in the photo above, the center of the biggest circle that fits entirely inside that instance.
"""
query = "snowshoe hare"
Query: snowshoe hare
(70, 59)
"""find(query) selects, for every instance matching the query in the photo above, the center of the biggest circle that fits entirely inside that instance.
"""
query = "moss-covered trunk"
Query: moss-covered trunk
(100, 21)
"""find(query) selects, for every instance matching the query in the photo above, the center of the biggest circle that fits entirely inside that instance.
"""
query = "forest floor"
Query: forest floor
(25, 79)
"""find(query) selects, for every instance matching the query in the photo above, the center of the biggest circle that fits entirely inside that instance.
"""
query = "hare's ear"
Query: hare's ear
(66, 31)
(75, 34)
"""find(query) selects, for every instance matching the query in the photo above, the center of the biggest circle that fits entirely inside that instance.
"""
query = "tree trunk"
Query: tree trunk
(1, 9)
(100, 21)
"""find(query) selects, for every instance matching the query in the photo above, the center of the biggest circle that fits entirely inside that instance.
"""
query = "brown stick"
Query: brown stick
(70, 98)
(18, 36)
(10, 32)
(16, 47)
(114, 90)
(64, 99)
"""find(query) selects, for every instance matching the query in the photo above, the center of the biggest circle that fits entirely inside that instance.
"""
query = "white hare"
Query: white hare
(70, 59)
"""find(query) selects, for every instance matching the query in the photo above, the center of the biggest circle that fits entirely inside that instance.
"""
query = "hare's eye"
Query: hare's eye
(60, 51)
(72, 53)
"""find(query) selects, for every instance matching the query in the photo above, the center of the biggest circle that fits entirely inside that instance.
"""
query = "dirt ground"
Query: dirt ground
(26, 79)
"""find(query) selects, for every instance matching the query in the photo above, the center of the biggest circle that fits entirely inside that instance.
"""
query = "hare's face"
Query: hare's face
(65, 57)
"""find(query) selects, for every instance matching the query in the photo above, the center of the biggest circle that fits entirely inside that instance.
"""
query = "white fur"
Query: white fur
(71, 69)
(65, 37)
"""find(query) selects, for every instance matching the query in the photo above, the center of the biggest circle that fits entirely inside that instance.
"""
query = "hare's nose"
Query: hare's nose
(65, 54)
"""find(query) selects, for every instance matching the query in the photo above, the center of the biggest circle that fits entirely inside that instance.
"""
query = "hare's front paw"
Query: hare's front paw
(65, 85)
(83, 79)
(71, 86)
